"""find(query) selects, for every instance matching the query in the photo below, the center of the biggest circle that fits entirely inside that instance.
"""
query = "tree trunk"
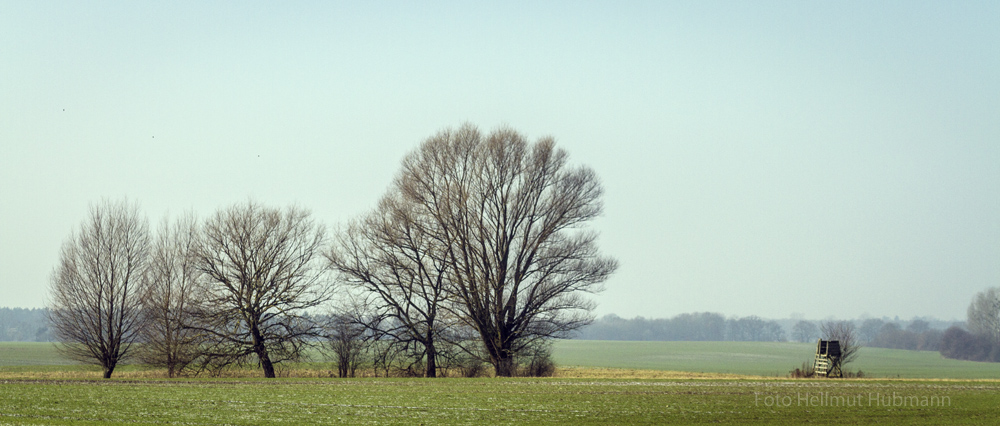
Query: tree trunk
(342, 362)
(265, 362)
(171, 364)
(501, 356)
(431, 359)
(261, 351)
(503, 362)
(504, 366)
(108, 366)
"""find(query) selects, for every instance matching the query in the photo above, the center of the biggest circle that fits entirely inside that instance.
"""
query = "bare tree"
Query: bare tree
(263, 273)
(984, 314)
(97, 288)
(401, 272)
(509, 217)
(846, 333)
(347, 342)
(172, 276)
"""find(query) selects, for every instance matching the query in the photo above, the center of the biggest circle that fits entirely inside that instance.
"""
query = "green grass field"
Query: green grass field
(742, 358)
(30, 353)
(494, 401)
(760, 358)
(32, 391)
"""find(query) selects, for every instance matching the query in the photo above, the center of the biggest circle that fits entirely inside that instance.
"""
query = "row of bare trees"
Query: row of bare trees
(479, 246)
(234, 289)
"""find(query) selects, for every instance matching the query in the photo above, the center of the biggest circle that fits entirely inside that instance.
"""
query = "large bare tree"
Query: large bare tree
(97, 287)
(172, 277)
(400, 272)
(510, 216)
(263, 273)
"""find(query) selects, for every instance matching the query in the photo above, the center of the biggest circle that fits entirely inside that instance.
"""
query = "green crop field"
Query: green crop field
(38, 387)
(760, 358)
(740, 358)
(30, 353)
(494, 401)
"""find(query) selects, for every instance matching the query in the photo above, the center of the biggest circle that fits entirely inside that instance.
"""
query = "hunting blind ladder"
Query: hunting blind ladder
(828, 358)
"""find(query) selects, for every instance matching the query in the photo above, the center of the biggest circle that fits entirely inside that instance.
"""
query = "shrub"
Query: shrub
(806, 370)
(471, 367)
(957, 343)
(540, 365)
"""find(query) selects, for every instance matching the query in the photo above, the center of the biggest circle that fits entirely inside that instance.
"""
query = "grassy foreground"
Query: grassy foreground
(494, 401)
(37, 387)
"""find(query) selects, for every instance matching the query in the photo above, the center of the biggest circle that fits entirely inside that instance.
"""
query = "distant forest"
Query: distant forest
(24, 325)
(701, 326)
(915, 334)
(31, 325)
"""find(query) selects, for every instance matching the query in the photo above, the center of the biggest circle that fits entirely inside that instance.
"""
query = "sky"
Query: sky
(814, 159)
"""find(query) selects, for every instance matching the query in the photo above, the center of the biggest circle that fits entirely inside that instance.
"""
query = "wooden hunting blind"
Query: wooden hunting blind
(828, 358)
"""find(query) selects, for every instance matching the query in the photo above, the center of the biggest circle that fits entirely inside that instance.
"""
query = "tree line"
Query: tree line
(976, 339)
(700, 326)
(916, 334)
(24, 325)
(478, 251)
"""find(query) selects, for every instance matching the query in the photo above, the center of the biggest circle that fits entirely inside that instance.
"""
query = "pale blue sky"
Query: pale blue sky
(833, 159)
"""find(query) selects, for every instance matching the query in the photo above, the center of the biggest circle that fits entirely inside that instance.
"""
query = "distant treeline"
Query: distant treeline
(24, 325)
(699, 326)
(915, 334)
(32, 325)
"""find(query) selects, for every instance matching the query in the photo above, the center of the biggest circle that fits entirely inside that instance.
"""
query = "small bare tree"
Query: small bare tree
(97, 288)
(347, 342)
(846, 333)
(172, 275)
(262, 274)
(400, 270)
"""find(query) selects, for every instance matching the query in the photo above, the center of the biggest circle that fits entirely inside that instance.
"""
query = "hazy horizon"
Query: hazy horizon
(766, 158)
